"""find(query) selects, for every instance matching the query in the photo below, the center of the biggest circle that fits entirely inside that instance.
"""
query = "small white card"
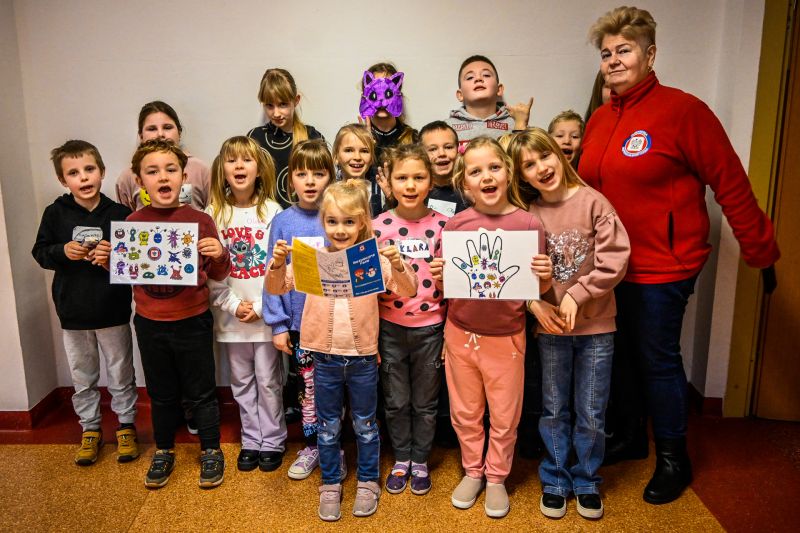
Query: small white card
(444, 207)
(414, 248)
(87, 236)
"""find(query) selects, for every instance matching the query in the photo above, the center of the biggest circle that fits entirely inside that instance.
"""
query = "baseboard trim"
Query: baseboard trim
(702, 405)
(27, 420)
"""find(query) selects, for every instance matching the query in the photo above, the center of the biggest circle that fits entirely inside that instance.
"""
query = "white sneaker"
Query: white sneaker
(307, 460)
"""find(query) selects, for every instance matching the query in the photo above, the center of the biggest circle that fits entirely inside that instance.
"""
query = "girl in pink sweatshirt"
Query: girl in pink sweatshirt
(589, 249)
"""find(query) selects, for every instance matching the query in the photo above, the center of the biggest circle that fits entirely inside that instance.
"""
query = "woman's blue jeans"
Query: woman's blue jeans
(359, 375)
(649, 321)
(588, 358)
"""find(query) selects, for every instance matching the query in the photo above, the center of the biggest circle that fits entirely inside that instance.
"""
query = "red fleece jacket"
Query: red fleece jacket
(651, 151)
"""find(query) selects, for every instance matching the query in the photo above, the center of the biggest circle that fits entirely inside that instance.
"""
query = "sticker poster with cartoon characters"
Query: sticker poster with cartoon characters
(490, 264)
(150, 253)
(355, 271)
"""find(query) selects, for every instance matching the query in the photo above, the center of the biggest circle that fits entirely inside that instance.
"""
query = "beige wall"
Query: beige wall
(84, 68)
(27, 371)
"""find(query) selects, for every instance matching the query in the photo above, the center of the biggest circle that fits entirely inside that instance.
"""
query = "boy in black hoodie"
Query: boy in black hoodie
(73, 238)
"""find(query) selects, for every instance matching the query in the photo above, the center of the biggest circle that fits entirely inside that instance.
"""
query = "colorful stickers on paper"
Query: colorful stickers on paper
(149, 253)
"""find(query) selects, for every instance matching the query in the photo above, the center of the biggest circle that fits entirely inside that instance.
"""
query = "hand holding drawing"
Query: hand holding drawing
(279, 253)
(482, 268)
(210, 247)
(547, 315)
(542, 267)
(437, 269)
(75, 251)
(393, 255)
(282, 342)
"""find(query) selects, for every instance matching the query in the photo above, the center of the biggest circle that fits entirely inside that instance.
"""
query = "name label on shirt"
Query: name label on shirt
(414, 248)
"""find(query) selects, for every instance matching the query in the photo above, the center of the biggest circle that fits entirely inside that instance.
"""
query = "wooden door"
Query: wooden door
(777, 391)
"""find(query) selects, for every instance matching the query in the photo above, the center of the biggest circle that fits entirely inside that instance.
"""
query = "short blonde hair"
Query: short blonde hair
(351, 196)
(566, 116)
(631, 22)
(538, 140)
(487, 142)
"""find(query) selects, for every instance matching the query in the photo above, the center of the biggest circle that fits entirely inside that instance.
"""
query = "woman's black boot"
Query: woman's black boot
(673, 472)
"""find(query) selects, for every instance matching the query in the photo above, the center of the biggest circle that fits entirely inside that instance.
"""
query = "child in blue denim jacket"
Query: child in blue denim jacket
(589, 249)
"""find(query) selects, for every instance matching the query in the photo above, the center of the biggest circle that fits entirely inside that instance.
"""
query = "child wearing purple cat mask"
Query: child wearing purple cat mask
(385, 122)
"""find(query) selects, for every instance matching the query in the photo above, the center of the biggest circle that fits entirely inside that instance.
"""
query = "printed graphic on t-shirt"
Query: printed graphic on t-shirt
(248, 258)
(568, 251)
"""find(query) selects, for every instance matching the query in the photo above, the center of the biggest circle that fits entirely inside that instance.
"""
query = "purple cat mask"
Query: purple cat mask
(382, 92)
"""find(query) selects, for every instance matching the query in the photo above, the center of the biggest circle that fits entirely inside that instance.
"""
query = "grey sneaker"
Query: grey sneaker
(496, 505)
(367, 494)
(466, 492)
(330, 502)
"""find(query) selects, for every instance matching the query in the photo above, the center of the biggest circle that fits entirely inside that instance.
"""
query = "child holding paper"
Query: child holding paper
(174, 327)
(342, 333)
(412, 329)
(589, 248)
(485, 339)
(91, 311)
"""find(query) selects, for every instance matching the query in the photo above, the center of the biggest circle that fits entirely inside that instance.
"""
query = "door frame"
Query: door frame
(748, 311)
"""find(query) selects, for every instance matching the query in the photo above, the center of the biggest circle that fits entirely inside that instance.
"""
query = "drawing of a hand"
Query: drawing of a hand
(482, 268)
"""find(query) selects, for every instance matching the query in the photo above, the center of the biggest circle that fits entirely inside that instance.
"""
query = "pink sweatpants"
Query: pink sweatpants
(481, 368)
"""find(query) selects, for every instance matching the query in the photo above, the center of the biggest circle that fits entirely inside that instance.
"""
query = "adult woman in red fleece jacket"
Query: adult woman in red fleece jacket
(652, 150)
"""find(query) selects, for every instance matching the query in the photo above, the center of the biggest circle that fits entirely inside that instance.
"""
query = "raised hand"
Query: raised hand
(279, 253)
(382, 178)
(486, 279)
(521, 113)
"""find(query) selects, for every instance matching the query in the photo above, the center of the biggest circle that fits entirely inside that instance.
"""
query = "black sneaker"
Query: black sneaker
(590, 506)
(160, 468)
(212, 468)
(553, 505)
(248, 460)
(191, 426)
(270, 461)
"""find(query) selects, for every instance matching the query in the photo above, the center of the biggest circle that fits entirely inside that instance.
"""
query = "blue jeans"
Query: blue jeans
(649, 320)
(588, 357)
(360, 375)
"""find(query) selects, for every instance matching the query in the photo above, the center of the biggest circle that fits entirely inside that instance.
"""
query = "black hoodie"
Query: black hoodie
(82, 294)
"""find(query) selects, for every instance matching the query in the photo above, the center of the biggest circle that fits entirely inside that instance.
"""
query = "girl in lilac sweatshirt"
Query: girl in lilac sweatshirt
(310, 171)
